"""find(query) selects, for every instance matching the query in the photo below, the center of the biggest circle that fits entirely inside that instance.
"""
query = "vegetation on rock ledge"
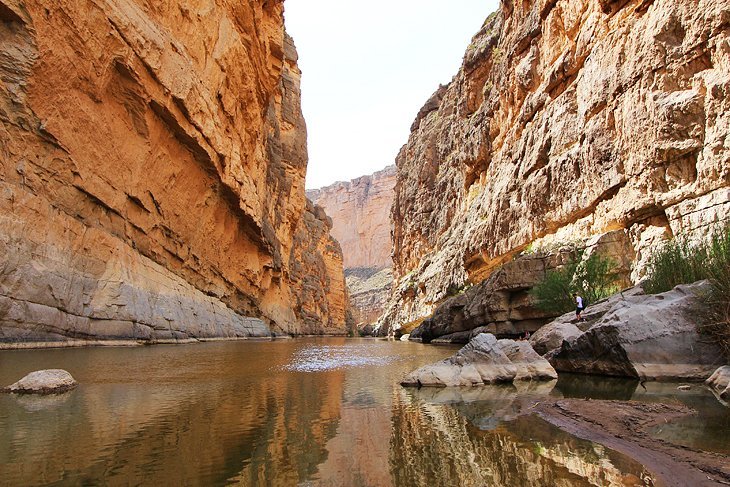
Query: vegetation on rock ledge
(593, 278)
(681, 261)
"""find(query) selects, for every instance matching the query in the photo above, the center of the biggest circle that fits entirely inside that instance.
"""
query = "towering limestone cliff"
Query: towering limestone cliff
(569, 120)
(360, 211)
(152, 159)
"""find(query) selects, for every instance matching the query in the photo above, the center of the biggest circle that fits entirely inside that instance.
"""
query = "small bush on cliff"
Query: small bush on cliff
(594, 278)
(681, 262)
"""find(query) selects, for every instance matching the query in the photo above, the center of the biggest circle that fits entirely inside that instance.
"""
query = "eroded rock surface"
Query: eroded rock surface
(652, 337)
(500, 305)
(51, 381)
(152, 161)
(484, 360)
(568, 120)
(360, 212)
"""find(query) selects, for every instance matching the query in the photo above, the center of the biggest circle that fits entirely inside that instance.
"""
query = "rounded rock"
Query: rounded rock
(52, 381)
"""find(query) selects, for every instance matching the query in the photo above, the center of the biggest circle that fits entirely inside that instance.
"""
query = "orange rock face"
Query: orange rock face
(360, 212)
(569, 120)
(152, 175)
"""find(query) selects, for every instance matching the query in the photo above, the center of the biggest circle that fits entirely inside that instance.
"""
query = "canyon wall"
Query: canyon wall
(152, 163)
(360, 211)
(569, 121)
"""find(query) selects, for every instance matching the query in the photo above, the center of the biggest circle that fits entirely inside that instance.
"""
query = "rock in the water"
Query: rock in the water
(530, 365)
(52, 381)
(650, 337)
(484, 360)
(404, 338)
(720, 382)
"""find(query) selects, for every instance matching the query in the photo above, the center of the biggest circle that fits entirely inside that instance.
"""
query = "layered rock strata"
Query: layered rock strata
(152, 164)
(567, 120)
(360, 212)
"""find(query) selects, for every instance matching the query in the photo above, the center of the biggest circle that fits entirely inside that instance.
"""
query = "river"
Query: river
(325, 411)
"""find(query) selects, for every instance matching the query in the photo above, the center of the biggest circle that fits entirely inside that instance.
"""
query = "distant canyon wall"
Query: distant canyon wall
(360, 212)
(569, 120)
(152, 163)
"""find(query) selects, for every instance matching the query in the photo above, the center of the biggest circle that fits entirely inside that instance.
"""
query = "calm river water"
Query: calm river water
(301, 412)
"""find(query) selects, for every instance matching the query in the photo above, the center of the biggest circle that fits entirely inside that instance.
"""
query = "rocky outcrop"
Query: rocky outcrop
(500, 305)
(651, 337)
(152, 164)
(548, 339)
(51, 381)
(569, 119)
(360, 212)
(484, 360)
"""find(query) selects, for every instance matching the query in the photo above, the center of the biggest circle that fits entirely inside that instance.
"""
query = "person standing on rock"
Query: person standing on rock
(578, 306)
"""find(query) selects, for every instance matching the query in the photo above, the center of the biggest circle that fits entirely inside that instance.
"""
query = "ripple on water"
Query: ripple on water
(324, 358)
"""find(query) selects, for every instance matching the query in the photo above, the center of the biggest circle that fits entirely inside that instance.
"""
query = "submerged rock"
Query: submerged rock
(720, 382)
(484, 360)
(51, 381)
(649, 337)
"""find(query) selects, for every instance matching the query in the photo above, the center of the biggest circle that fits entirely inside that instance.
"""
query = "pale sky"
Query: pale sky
(368, 67)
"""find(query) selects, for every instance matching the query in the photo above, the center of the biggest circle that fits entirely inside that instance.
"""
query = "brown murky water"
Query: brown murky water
(297, 412)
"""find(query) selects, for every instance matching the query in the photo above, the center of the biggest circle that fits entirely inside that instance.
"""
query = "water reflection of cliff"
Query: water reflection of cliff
(436, 439)
(226, 426)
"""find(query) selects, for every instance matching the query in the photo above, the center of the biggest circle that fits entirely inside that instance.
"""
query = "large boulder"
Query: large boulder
(52, 381)
(529, 364)
(648, 337)
(484, 360)
(551, 336)
(720, 382)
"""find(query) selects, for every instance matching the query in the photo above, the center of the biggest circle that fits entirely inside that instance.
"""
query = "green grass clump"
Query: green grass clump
(594, 278)
(680, 261)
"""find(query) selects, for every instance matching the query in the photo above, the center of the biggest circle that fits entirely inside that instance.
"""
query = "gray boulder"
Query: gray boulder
(719, 382)
(547, 340)
(484, 360)
(551, 336)
(529, 364)
(648, 337)
(52, 381)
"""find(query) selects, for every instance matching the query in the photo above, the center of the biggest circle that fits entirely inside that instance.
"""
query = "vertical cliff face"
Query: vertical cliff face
(360, 212)
(568, 120)
(152, 175)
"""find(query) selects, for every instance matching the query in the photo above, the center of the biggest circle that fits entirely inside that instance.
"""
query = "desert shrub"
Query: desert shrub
(594, 278)
(677, 262)
(680, 261)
